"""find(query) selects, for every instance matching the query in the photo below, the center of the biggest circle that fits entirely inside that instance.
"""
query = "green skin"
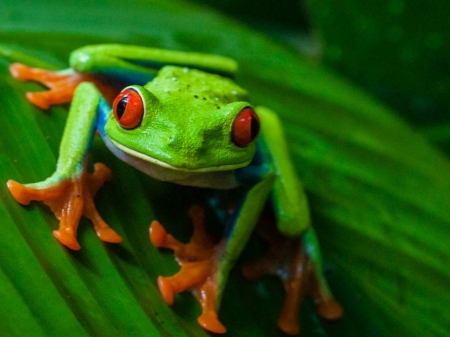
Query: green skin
(185, 137)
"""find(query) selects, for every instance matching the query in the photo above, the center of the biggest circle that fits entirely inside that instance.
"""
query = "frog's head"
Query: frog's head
(186, 120)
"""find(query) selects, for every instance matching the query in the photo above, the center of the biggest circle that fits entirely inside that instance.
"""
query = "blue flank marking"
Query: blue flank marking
(159, 65)
(252, 174)
(248, 176)
(132, 77)
(259, 159)
(147, 63)
(103, 111)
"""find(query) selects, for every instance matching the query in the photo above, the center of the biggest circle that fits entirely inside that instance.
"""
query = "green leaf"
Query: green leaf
(396, 49)
(378, 191)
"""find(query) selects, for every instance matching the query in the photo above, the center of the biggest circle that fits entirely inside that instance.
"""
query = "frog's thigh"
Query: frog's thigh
(145, 60)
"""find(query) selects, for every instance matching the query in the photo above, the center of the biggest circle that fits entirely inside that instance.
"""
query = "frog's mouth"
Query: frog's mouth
(154, 161)
(209, 177)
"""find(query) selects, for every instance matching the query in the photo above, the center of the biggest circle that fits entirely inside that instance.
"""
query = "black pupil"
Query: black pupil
(254, 127)
(121, 106)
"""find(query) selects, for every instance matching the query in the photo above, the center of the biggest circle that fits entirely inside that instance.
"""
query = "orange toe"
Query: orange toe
(166, 290)
(330, 310)
(209, 321)
(38, 99)
(18, 191)
(107, 234)
(289, 325)
(68, 239)
(19, 71)
(158, 235)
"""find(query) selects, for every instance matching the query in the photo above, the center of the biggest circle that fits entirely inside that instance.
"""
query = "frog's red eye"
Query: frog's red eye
(128, 109)
(245, 127)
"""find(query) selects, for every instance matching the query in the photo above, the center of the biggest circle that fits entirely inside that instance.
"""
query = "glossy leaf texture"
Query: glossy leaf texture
(378, 191)
(396, 49)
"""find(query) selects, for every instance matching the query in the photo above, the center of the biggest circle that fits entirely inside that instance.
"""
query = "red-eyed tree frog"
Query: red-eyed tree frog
(180, 118)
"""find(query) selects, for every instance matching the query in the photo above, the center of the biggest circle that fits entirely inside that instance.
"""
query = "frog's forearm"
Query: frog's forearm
(240, 228)
(77, 136)
(70, 191)
(79, 129)
(289, 199)
(144, 62)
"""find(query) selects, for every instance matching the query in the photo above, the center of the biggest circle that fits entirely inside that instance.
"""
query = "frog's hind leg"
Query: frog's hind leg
(199, 262)
(61, 84)
(69, 199)
(298, 264)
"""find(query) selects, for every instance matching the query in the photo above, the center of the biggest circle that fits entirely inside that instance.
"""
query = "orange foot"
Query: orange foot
(62, 84)
(198, 261)
(300, 274)
(69, 199)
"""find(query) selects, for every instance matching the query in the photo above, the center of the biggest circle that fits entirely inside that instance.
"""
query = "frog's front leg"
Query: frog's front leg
(70, 190)
(204, 265)
(198, 262)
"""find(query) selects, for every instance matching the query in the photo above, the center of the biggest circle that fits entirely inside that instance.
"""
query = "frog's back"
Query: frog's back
(197, 84)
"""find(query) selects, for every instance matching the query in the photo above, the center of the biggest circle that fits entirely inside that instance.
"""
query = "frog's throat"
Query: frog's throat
(161, 163)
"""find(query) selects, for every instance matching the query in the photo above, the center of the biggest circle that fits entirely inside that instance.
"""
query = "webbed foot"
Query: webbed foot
(62, 84)
(295, 262)
(198, 260)
(69, 199)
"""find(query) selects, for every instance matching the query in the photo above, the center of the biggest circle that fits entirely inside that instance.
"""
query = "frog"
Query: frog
(180, 118)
